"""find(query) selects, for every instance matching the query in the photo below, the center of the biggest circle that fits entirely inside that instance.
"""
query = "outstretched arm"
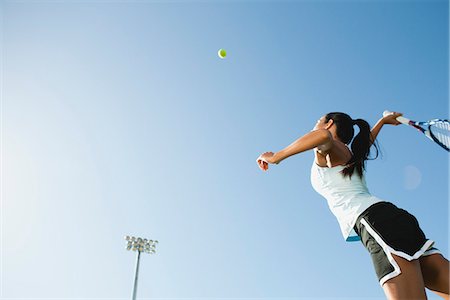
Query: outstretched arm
(311, 140)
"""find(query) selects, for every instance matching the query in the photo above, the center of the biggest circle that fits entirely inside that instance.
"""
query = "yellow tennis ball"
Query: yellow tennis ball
(222, 53)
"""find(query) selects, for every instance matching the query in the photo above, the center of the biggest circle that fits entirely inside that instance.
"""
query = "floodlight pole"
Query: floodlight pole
(136, 275)
(139, 245)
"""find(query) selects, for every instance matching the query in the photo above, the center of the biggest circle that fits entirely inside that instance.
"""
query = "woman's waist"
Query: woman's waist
(345, 200)
(351, 208)
(345, 194)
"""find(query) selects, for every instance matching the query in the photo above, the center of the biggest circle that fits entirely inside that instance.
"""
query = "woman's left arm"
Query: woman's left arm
(318, 138)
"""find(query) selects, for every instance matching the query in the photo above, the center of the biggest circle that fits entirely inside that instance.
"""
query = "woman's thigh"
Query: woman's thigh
(435, 272)
(409, 284)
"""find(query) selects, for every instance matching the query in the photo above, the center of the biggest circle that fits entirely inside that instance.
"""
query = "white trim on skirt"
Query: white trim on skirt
(389, 251)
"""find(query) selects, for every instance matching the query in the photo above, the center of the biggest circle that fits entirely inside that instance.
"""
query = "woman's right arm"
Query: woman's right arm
(390, 119)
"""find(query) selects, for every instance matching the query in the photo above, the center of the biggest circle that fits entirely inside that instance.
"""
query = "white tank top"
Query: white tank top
(347, 198)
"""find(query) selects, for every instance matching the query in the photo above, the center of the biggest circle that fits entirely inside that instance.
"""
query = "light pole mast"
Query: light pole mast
(139, 245)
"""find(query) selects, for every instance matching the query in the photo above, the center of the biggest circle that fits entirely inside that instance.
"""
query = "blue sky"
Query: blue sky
(119, 118)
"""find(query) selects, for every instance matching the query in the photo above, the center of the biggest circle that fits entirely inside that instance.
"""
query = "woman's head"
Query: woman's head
(344, 126)
(360, 145)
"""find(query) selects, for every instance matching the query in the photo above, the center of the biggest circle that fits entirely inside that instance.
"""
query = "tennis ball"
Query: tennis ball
(222, 53)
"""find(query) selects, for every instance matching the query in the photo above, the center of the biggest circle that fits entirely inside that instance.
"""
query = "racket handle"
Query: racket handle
(401, 119)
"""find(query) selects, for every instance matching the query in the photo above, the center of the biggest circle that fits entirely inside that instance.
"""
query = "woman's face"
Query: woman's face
(320, 124)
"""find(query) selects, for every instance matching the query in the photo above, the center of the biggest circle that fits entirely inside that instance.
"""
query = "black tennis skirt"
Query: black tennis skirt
(386, 229)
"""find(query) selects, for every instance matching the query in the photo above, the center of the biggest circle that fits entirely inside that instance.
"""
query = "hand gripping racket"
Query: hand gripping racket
(437, 130)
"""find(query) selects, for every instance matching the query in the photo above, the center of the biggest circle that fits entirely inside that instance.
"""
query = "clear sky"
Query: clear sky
(119, 118)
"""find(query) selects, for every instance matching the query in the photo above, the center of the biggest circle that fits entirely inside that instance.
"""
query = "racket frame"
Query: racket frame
(418, 125)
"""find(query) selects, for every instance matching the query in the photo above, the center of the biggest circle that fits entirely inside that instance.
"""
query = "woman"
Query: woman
(404, 259)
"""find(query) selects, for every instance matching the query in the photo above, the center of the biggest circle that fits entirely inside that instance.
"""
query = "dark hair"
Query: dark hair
(361, 143)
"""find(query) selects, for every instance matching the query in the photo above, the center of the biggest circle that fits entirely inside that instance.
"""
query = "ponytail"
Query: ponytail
(361, 149)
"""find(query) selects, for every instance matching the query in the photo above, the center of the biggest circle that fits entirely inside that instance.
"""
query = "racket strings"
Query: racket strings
(441, 131)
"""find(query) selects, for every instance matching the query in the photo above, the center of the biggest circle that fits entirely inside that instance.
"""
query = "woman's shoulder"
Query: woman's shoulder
(338, 155)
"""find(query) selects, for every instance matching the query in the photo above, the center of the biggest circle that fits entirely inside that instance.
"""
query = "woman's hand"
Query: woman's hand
(391, 118)
(264, 160)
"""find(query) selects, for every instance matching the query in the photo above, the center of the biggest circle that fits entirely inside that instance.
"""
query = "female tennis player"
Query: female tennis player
(405, 260)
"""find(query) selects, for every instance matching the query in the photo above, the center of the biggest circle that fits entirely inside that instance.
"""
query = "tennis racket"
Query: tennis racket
(437, 130)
